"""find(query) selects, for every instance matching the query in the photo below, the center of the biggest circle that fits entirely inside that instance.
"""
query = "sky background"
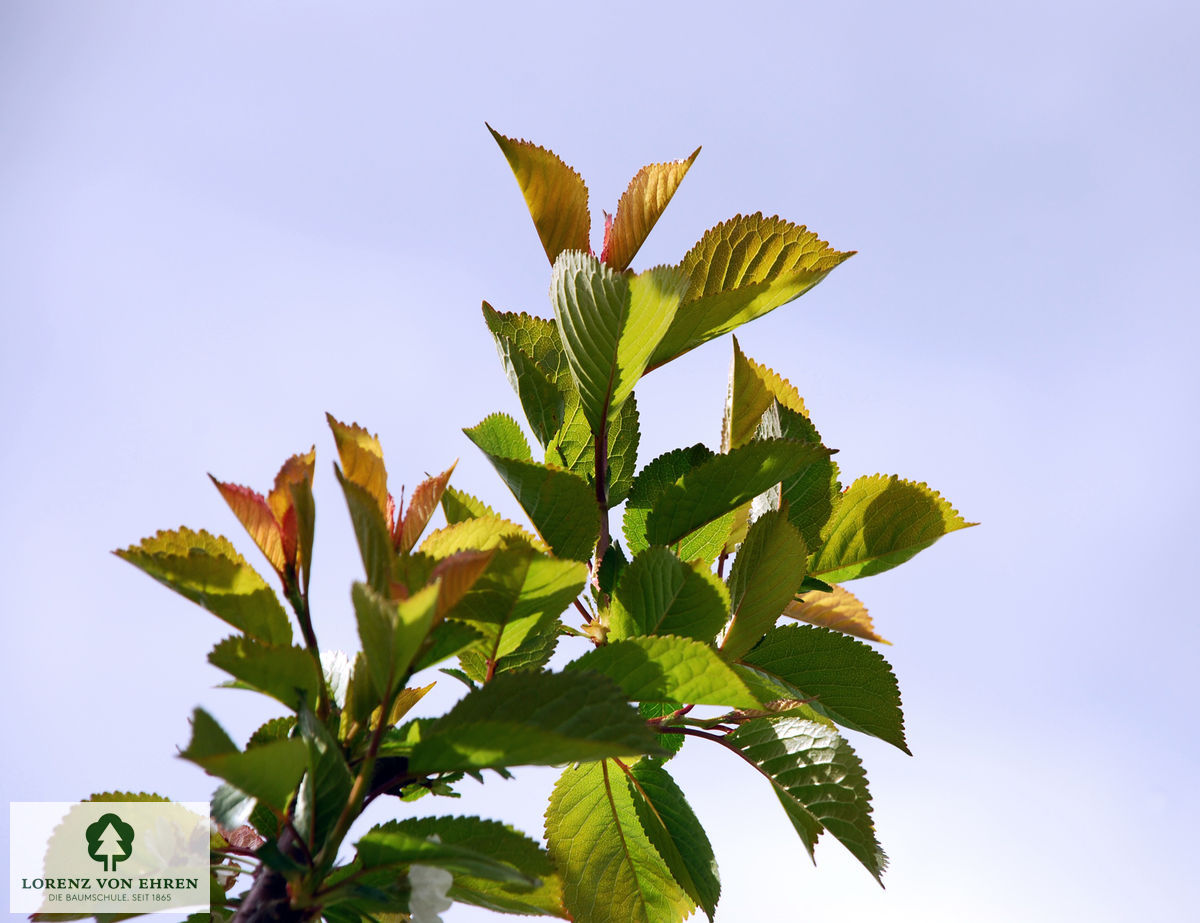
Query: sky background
(219, 221)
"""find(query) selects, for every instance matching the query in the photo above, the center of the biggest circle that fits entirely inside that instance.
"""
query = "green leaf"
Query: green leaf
(556, 195)
(480, 533)
(812, 492)
(766, 574)
(741, 270)
(723, 483)
(371, 531)
(208, 570)
(541, 398)
(659, 594)
(753, 388)
(611, 870)
(640, 208)
(846, 680)
(668, 669)
(288, 674)
(574, 446)
(503, 844)
(819, 780)
(529, 718)
(672, 743)
(610, 324)
(676, 832)
(326, 785)
(499, 435)
(269, 773)
(521, 594)
(536, 337)
(651, 483)
(881, 522)
(390, 845)
(532, 654)
(459, 506)
(561, 505)
(447, 639)
(392, 632)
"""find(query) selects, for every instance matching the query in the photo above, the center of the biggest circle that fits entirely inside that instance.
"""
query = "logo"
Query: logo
(109, 840)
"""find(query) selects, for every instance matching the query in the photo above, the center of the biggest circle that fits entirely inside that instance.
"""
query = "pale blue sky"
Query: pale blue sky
(220, 220)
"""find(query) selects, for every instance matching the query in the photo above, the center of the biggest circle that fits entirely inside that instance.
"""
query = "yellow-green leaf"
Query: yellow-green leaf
(610, 325)
(741, 270)
(208, 570)
(881, 522)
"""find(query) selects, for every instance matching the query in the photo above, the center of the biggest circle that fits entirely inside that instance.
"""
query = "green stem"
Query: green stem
(299, 601)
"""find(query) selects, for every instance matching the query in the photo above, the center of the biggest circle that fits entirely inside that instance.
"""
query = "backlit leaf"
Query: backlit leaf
(253, 512)
(531, 718)
(294, 479)
(812, 492)
(480, 533)
(676, 832)
(503, 844)
(881, 522)
(740, 270)
(574, 446)
(752, 388)
(818, 779)
(556, 195)
(269, 773)
(288, 674)
(521, 591)
(326, 785)
(372, 532)
(612, 872)
(651, 483)
(722, 484)
(208, 570)
(640, 207)
(610, 324)
(394, 844)
(362, 460)
(421, 507)
(392, 632)
(846, 680)
(458, 505)
(560, 504)
(766, 574)
(838, 609)
(658, 594)
(668, 669)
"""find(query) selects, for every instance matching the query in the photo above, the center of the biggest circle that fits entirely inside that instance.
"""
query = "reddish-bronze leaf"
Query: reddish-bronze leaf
(425, 500)
(640, 208)
(254, 512)
(458, 574)
(297, 470)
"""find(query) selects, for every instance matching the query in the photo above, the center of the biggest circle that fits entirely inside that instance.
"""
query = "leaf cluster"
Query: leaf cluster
(714, 616)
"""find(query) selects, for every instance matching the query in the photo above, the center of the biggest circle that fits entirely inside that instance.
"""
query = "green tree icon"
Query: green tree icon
(110, 840)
